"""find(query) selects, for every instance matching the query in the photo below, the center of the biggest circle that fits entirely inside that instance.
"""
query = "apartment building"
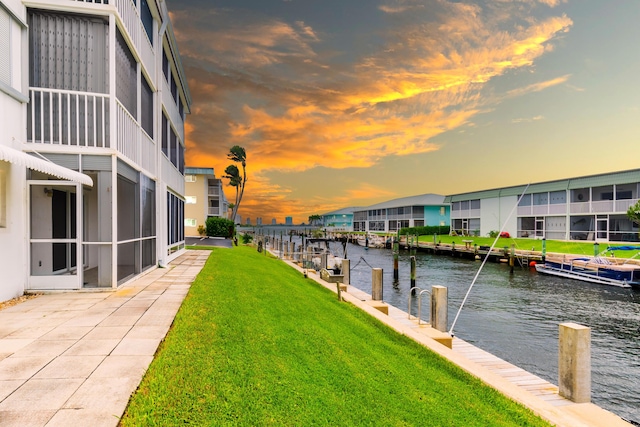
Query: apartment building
(590, 208)
(413, 211)
(93, 98)
(204, 198)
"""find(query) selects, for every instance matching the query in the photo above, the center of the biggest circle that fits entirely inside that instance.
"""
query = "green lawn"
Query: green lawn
(256, 344)
(572, 247)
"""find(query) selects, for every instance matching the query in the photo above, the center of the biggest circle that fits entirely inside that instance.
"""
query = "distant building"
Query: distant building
(204, 198)
(259, 221)
(273, 221)
(248, 221)
(414, 211)
(288, 221)
(584, 208)
(340, 220)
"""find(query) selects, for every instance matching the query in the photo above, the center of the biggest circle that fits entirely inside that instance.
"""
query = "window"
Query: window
(146, 100)
(165, 135)
(175, 219)
(442, 211)
(191, 200)
(165, 65)
(190, 178)
(147, 19)
(475, 204)
(126, 76)
(557, 197)
(525, 200)
(173, 147)
(540, 199)
(5, 47)
(190, 222)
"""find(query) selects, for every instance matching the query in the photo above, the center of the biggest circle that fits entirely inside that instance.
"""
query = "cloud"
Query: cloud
(527, 120)
(282, 90)
(537, 87)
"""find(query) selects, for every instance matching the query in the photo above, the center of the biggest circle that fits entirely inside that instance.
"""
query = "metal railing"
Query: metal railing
(67, 117)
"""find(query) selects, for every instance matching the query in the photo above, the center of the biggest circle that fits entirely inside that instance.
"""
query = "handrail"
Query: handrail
(420, 303)
(411, 292)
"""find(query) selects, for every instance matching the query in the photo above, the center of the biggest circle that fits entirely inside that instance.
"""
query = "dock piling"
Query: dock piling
(574, 362)
(376, 284)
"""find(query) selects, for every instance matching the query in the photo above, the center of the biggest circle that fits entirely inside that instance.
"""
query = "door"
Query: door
(54, 214)
(602, 227)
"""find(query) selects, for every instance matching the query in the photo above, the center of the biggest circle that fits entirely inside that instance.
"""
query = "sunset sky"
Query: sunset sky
(352, 102)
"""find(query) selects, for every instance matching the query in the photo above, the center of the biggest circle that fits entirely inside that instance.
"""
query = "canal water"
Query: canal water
(516, 317)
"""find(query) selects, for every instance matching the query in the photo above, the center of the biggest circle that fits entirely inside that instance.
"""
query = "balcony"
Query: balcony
(214, 211)
(71, 118)
(82, 119)
(214, 191)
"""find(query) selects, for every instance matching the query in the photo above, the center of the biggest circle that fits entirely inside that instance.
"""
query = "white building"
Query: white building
(583, 208)
(204, 198)
(93, 98)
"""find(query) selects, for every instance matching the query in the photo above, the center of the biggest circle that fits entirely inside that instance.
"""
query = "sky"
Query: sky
(343, 103)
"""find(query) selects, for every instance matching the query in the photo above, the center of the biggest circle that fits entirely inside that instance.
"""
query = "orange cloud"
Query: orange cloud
(276, 89)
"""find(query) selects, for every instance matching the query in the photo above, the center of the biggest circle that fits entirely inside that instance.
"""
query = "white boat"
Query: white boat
(371, 240)
(622, 272)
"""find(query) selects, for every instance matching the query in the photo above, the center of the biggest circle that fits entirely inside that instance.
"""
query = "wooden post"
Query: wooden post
(574, 362)
(413, 272)
(512, 256)
(346, 272)
(439, 309)
(376, 284)
(396, 250)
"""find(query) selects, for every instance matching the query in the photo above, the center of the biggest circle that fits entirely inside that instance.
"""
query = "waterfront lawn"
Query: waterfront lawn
(255, 344)
(557, 246)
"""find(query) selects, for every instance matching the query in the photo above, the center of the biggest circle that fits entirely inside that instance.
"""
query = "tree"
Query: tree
(315, 219)
(236, 154)
(633, 213)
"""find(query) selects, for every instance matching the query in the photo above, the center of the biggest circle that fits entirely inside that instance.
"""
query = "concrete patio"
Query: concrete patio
(75, 358)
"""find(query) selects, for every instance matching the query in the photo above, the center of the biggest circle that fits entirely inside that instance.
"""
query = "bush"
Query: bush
(247, 238)
(219, 227)
(428, 230)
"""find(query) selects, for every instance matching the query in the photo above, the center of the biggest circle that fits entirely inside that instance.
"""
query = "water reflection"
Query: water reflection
(516, 317)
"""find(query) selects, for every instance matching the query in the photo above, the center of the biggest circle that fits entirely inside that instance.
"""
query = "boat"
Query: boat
(604, 270)
(371, 240)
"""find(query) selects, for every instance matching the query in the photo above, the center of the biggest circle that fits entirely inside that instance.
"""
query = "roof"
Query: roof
(610, 178)
(198, 171)
(343, 211)
(420, 200)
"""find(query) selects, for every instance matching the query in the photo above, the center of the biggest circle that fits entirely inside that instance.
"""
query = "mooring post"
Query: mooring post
(346, 272)
(439, 310)
(512, 256)
(413, 272)
(294, 255)
(396, 250)
(544, 249)
(574, 362)
(323, 259)
(596, 249)
(376, 284)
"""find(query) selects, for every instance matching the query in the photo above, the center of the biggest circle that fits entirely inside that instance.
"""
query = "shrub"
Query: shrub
(425, 231)
(219, 227)
(247, 238)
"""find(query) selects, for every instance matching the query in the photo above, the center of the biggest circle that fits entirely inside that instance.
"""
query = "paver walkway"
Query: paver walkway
(75, 358)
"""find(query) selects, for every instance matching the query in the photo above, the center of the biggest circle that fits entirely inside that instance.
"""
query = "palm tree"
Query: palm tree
(233, 175)
(237, 154)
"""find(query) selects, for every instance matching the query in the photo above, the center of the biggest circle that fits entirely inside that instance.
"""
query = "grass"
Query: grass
(256, 344)
(559, 246)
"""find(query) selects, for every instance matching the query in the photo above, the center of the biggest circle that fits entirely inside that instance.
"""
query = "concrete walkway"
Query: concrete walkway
(75, 358)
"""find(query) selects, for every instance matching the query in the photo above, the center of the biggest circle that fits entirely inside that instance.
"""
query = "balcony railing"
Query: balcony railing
(66, 117)
(214, 191)
(214, 211)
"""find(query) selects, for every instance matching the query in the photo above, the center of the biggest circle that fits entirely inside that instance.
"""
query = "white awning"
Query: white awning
(18, 157)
